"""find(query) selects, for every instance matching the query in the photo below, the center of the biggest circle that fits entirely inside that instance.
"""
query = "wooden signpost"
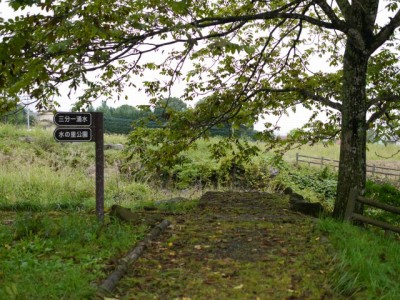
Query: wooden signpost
(85, 127)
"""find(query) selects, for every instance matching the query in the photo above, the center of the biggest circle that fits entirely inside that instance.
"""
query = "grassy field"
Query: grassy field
(58, 255)
(378, 154)
(41, 173)
(48, 227)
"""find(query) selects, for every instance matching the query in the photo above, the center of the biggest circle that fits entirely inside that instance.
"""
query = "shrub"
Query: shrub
(385, 193)
(323, 183)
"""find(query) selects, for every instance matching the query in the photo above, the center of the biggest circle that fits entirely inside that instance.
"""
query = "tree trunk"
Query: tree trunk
(352, 166)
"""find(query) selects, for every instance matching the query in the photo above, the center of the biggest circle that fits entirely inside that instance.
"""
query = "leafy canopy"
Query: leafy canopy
(246, 58)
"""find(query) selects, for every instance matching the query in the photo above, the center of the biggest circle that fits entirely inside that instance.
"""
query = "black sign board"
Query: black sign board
(73, 134)
(73, 119)
(77, 127)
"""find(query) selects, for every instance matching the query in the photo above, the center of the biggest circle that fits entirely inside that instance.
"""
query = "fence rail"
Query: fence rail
(351, 215)
(371, 169)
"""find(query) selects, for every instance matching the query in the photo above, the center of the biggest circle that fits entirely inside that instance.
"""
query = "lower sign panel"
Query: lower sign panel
(73, 134)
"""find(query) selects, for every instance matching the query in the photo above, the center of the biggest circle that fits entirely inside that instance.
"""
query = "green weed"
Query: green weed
(323, 182)
(73, 248)
(179, 206)
(385, 193)
(367, 264)
(34, 186)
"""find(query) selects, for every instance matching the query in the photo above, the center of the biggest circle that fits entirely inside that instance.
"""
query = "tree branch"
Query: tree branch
(131, 42)
(302, 92)
(207, 22)
(376, 115)
(385, 33)
(330, 13)
(387, 157)
(386, 98)
(344, 7)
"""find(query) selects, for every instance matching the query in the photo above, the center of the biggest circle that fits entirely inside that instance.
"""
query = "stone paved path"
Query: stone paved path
(234, 246)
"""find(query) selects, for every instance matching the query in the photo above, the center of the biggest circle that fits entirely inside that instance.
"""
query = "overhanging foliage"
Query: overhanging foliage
(248, 58)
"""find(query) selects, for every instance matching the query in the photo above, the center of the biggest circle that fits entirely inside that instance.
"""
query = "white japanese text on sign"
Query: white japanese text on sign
(73, 119)
(63, 134)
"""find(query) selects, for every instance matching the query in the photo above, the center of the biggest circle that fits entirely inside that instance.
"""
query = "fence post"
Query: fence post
(297, 158)
(351, 204)
(322, 161)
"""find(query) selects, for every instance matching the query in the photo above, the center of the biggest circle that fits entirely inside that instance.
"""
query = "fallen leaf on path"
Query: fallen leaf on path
(238, 287)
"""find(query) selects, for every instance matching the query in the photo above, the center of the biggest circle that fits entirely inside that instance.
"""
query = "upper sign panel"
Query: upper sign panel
(73, 119)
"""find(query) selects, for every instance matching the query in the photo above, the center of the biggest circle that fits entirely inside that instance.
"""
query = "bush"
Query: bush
(138, 191)
(323, 183)
(385, 193)
(190, 174)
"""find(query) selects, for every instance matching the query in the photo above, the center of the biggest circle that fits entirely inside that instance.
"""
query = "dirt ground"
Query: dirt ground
(234, 246)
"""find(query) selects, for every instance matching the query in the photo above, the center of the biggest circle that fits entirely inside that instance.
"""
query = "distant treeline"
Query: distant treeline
(18, 116)
(122, 119)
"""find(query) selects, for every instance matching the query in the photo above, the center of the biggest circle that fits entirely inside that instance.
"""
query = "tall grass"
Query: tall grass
(40, 187)
(367, 264)
(40, 173)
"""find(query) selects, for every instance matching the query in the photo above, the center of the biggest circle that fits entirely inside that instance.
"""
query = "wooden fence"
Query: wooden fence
(373, 170)
(351, 215)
